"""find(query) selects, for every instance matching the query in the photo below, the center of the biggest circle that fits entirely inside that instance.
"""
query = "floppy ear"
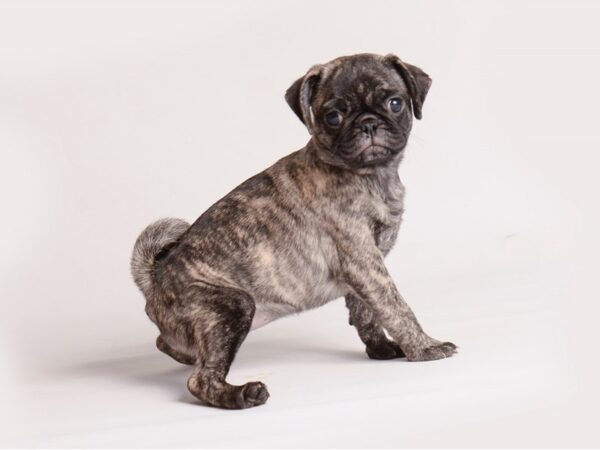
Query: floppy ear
(417, 82)
(300, 94)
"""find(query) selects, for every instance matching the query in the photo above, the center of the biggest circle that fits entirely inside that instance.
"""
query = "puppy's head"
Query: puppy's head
(359, 108)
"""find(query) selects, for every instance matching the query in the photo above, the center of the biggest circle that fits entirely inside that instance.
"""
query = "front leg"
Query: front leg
(378, 345)
(371, 283)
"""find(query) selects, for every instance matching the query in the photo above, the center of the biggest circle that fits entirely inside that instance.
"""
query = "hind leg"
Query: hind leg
(179, 356)
(219, 321)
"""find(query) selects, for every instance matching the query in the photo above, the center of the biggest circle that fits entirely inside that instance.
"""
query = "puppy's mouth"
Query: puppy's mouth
(377, 147)
(371, 149)
(374, 154)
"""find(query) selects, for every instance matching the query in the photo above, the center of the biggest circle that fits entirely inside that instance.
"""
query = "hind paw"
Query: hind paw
(252, 394)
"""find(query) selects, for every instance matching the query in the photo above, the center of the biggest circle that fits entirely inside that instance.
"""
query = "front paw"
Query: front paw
(435, 351)
(384, 350)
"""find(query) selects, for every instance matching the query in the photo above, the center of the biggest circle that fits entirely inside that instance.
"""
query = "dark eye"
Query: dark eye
(396, 104)
(333, 118)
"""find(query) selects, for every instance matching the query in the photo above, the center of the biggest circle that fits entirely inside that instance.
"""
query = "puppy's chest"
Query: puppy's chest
(385, 206)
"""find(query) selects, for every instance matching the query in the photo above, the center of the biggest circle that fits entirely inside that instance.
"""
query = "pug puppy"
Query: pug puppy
(313, 227)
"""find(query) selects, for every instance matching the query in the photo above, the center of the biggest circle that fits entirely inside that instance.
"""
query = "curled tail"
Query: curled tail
(155, 238)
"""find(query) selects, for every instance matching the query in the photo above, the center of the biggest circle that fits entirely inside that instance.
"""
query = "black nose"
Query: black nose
(369, 125)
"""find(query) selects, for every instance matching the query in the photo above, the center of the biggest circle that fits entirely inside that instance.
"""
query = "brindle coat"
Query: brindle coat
(311, 228)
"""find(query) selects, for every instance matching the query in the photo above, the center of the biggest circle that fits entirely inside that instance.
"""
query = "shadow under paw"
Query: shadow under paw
(384, 350)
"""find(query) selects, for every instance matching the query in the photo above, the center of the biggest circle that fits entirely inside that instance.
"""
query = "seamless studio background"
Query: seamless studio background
(113, 114)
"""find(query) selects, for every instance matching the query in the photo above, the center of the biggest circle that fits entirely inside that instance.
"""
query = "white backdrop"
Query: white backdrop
(113, 114)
